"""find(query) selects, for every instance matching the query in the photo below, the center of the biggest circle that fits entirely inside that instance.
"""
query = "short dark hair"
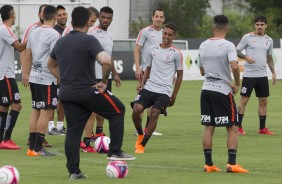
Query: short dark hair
(260, 18)
(41, 7)
(80, 17)
(60, 7)
(158, 9)
(49, 12)
(171, 25)
(94, 11)
(6, 12)
(220, 21)
(107, 9)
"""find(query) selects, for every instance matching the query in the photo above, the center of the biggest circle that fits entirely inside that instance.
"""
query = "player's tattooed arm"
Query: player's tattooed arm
(270, 63)
(241, 55)
(249, 59)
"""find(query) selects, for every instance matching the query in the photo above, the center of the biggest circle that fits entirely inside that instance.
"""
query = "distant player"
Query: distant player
(218, 109)
(163, 62)
(10, 98)
(259, 48)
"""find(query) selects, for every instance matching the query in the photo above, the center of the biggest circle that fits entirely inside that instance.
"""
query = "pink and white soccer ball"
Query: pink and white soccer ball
(102, 144)
(9, 175)
(117, 169)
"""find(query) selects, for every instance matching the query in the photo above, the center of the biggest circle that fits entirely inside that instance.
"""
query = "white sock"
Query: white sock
(60, 125)
(51, 125)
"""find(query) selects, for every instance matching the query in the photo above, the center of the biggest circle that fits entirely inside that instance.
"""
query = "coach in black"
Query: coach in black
(81, 94)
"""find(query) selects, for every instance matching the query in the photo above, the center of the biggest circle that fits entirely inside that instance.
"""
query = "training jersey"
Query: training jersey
(106, 40)
(7, 55)
(257, 47)
(148, 36)
(215, 56)
(164, 63)
(75, 55)
(41, 42)
(29, 30)
(67, 30)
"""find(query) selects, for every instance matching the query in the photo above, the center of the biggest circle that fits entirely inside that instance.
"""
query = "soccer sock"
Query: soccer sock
(38, 141)
(262, 120)
(99, 129)
(139, 130)
(208, 157)
(147, 122)
(232, 153)
(10, 124)
(60, 125)
(145, 139)
(32, 137)
(86, 141)
(240, 119)
(3, 118)
(51, 125)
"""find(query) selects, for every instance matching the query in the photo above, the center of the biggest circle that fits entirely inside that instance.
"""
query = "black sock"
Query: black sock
(147, 122)
(240, 119)
(139, 130)
(10, 124)
(208, 157)
(145, 139)
(32, 137)
(3, 118)
(86, 141)
(38, 142)
(99, 129)
(262, 120)
(232, 156)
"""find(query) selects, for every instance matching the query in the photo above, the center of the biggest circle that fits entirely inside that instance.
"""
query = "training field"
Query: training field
(174, 158)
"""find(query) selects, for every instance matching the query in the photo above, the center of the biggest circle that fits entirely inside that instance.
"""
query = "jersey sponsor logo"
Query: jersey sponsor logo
(168, 57)
(205, 118)
(54, 101)
(221, 120)
(171, 50)
(17, 96)
(244, 90)
(155, 47)
(150, 29)
(5, 100)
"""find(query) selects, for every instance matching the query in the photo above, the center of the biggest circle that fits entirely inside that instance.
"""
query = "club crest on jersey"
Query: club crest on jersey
(168, 57)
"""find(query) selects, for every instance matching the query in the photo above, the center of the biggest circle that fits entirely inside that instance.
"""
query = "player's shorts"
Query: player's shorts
(9, 92)
(44, 96)
(109, 85)
(218, 109)
(156, 100)
(260, 84)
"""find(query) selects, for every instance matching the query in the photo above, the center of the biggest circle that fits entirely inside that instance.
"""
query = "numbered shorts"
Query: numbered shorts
(218, 109)
(260, 84)
(9, 92)
(44, 96)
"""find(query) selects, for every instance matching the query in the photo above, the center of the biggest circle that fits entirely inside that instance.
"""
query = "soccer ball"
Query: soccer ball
(9, 175)
(102, 144)
(117, 169)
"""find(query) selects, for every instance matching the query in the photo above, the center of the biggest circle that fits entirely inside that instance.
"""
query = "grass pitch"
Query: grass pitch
(176, 157)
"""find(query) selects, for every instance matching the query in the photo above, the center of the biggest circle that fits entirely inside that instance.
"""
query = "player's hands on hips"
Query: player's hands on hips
(138, 74)
(101, 87)
(250, 60)
(25, 78)
(274, 79)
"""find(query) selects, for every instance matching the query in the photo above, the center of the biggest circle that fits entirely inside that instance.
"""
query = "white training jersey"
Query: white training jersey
(106, 40)
(164, 63)
(215, 55)
(41, 42)
(29, 30)
(67, 30)
(7, 55)
(148, 36)
(257, 47)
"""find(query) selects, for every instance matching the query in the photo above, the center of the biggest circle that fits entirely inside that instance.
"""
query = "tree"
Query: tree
(136, 26)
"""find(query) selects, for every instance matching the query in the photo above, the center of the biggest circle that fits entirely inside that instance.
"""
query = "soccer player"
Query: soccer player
(62, 18)
(9, 92)
(81, 94)
(163, 62)
(218, 108)
(258, 47)
(105, 38)
(148, 36)
(42, 83)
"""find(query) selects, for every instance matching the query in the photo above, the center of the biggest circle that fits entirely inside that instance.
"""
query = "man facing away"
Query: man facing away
(258, 47)
(218, 108)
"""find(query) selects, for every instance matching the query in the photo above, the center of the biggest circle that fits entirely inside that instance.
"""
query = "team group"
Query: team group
(70, 68)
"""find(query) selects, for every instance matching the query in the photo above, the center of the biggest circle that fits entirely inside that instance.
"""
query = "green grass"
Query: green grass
(176, 157)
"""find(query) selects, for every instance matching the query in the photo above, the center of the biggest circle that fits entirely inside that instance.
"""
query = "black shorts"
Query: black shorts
(156, 100)
(218, 109)
(109, 85)
(260, 84)
(9, 92)
(44, 96)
